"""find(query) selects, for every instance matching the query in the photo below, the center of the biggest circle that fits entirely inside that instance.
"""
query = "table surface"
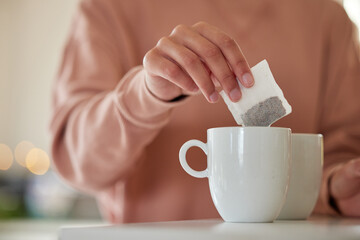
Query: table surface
(39, 229)
(315, 228)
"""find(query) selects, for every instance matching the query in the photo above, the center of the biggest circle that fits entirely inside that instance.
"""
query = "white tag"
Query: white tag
(262, 104)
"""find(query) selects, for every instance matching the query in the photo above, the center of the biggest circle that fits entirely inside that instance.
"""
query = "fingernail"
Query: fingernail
(248, 79)
(235, 95)
(214, 97)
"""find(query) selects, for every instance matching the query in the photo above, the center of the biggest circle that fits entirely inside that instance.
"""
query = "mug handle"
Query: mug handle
(182, 156)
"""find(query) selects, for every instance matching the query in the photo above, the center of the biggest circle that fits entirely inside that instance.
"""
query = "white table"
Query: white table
(39, 229)
(316, 228)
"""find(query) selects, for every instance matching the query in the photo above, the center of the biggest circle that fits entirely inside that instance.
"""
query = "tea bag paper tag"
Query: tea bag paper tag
(262, 104)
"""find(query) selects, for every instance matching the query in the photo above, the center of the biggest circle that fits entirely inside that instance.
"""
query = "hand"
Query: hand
(193, 58)
(345, 188)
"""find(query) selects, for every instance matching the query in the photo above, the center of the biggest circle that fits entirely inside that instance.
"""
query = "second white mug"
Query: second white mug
(305, 178)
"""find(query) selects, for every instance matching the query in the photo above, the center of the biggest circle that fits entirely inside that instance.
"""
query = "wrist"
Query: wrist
(138, 105)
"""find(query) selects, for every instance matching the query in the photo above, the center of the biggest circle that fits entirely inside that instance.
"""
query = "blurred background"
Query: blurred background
(32, 36)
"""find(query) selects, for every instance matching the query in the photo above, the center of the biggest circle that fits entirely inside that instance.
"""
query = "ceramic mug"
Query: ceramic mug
(248, 170)
(305, 178)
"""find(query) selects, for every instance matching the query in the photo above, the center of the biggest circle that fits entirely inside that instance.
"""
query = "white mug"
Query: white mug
(305, 178)
(248, 170)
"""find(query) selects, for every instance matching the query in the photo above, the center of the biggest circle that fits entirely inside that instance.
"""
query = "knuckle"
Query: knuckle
(200, 24)
(179, 29)
(172, 71)
(189, 59)
(212, 52)
(162, 41)
(241, 64)
(228, 80)
(188, 85)
(147, 58)
(227, 42)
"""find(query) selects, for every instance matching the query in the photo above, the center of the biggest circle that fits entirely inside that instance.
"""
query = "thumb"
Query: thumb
(345, 182)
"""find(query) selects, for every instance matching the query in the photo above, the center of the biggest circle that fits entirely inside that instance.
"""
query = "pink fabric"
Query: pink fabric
(112, 138)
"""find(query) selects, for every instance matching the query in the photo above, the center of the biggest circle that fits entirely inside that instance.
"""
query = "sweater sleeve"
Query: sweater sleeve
(103, 114)
(340, 109)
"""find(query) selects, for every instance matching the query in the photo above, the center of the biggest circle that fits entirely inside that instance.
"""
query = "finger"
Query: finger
(345, 183)
(213, 78)
(158, 65)
(192, 64)
(231, 51)
(212, 56)
(350, 206)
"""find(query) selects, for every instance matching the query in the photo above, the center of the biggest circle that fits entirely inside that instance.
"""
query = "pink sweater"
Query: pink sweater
(112, 138)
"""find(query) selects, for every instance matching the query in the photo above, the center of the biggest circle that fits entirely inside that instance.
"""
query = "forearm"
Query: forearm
(103, 135)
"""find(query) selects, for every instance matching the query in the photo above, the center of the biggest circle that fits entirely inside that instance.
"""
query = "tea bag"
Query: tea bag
(262, 104)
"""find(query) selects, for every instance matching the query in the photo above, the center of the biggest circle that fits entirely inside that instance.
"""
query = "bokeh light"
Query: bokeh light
(6, 157)
(21, 151)
(37, 161)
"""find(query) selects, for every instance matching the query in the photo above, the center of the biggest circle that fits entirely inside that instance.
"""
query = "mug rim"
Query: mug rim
(242, 127)
(307, 134)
